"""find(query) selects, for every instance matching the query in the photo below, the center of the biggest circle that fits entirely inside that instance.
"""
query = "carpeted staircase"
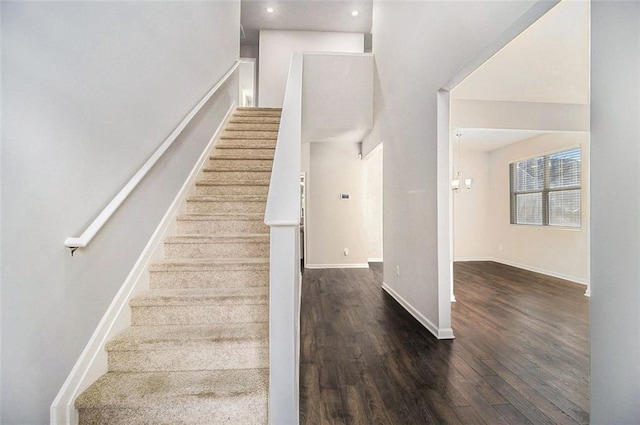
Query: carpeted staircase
(197, 351)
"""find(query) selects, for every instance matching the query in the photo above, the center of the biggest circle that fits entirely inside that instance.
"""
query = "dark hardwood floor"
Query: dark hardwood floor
(521, 353)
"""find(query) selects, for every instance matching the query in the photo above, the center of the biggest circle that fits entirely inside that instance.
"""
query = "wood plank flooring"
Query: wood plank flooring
(521, 353)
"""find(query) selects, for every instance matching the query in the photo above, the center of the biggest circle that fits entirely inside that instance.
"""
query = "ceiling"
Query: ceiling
(304, 15)
(547, 63)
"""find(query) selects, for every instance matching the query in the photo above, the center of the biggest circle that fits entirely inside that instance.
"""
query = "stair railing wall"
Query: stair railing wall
(83, 240)
(283, 216)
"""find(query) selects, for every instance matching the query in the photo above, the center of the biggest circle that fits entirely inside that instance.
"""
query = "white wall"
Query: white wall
(90, 90)
(247, 81)
(471, 208)
(482, 215)
(251, 51)
(556, 251)
(518, 115)
(334, 224)
(419, 47)
(615, 213)
(373, 164)
(337, 97)
(276, 48)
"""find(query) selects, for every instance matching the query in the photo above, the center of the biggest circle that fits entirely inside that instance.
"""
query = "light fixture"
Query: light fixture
(354, 13)
(269, 9)
(457, 175)
(455, 183)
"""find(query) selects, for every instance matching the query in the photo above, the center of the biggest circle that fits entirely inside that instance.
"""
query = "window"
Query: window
(545, 190)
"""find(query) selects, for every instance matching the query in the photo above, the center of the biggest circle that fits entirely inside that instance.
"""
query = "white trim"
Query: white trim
(92, 363)
(534, 269)
(375, 260)
(97, 224)
(446, 333)
(337, 266)
(464, 259)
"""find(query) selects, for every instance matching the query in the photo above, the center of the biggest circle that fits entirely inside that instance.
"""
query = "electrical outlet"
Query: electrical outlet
(397, 270)
(500, 247)
(346, 252)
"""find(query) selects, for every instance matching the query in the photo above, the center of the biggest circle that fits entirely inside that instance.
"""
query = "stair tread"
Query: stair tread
(189, 389)
(238, 167)
(172, 337)
(247, 156)
(232, 238)
(201, 296)
(233, 182)
(252, 126)
(239, 197)
(222, 216)
(197, 264)
(243, 119)
(257, 108)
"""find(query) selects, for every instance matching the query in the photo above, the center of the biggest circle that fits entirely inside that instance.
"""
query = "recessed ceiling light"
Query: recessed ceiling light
(269, 9)
(354, 13)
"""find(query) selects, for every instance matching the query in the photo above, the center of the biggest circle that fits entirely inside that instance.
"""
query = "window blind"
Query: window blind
(546, 189)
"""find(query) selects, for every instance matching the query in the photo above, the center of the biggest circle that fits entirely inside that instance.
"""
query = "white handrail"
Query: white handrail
(89, 233)
(283, 216)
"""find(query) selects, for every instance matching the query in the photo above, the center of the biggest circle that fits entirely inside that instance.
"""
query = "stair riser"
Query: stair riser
(231, 190)
(212, 207)
(240, 164)
(208, 279)
(211, 357)
(246, 410)
(210, 250)
(252, 126)
(262, 135)
(199, 314)
(221, 227)
(236, 175)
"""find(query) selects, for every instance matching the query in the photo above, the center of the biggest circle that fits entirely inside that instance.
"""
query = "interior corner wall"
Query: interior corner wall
(89, 91)
(276, 48)
(560, 252)
(419, 46)
(373, 206)
(334, 224)
(615, 214)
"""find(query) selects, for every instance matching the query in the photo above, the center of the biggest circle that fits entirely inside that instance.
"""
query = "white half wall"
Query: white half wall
(615, 194)
(276, 48)
(334, 224)
(90, 90)
(482, 215)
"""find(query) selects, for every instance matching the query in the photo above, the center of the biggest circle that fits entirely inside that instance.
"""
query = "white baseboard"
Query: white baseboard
(445, 333)
(534, 269)
(337, 266)
(374, 260)
(462, 259)
(92, 363)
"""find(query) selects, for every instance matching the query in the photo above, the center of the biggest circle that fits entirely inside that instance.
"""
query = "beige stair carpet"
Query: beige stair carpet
(198, 349)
